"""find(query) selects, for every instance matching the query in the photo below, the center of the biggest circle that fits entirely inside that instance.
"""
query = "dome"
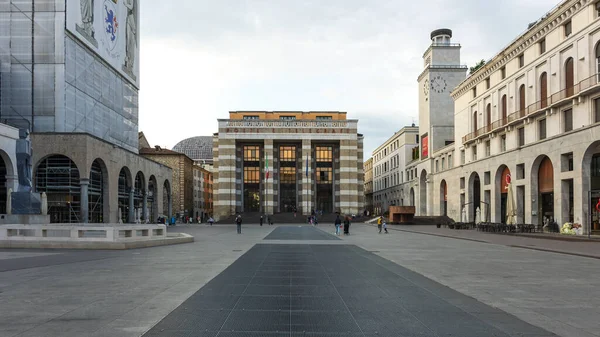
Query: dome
(197, 148)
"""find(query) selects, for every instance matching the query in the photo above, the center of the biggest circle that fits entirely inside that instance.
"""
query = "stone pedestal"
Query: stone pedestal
(26, 203)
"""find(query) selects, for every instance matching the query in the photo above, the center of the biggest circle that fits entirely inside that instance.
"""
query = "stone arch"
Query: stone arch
(167, 199)
(597, 55)
(423, 193)
(443, 198)
(501, 193)
(139, 194)
(99, 192)
(125, 190)
(542, 197)
(590, 192)
(6, 170)
(59, 177)
(474, 196)
(152, 203)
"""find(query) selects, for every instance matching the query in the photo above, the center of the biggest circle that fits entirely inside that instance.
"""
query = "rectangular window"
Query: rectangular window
(287, 175)
(521, 60)
(324, 175)
(598, 9)
(487, 178)
(568, 29)
(250, 117)
(542, 128)
(251, 153)
(487, 149)
(437, 167)
(503, 72)
(520, 136)
(324, 118)
(251, 175)
(417, 138)
(568, 119)
(475, 152)
(542, 45)
(462, 183)
(287, 118)
(324, 153)
(474, 92)
(462, 157)
(487, 83)
(443, 163)
(503, 143)
(520, 171)
(449, 161)
(597, 109)
(566, 162)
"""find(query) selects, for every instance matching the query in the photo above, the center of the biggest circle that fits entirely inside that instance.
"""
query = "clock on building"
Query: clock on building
(438, 84)
(426, 87)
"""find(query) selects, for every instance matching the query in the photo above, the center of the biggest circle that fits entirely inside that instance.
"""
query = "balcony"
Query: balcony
(551, 101)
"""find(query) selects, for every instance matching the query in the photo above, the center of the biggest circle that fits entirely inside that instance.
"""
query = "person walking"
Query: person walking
(379, 223)
(261, 220)
(211, 220)
(338, 223)
(238, 222)
(347, 226)
(385, 227)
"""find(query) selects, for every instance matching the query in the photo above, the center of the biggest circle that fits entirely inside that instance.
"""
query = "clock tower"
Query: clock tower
(442, 73)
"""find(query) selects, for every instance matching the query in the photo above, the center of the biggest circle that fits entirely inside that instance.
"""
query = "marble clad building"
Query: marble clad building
(274, 162)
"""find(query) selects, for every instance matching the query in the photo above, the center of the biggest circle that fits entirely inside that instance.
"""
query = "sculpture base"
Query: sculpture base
(24, 219)
(26, 203)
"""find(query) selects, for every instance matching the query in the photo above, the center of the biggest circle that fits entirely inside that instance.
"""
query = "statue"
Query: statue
(24, 166)
(130, 36)
(478, 216)
(464, 215)
(9, 202)
(120, 215)
(86, 28)
(44, 204)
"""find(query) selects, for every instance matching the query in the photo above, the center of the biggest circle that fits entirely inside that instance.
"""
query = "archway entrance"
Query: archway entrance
(546, 191)
(151, 204)
(590, 177)
(595, 193)
(443, 198)
(502, 179)
(97, 191)
(3, 188)
(474, 195)
(125, 185)
(58, 176)
(423, 193)
(138, 195)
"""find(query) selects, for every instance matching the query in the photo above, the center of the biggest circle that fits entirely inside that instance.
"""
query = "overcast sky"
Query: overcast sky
(201, 59)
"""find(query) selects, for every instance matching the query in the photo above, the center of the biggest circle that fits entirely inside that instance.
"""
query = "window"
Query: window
(487, 177)
(474, 92)
(324, 175)
(566, 160)
(462, 183)
(462, 157)
(569, 77)
(475, 121)
(504, 108)
(251, 153)
(487, 83)
(417, 138)
(598, 9)
(597, 109)
(543, 90)
(522, 100)
(443, 163)
(474, 153)
(324, 153)
(568, 119)
(542, 128)
(542, 45)
(437, 167)
(520, 171)
(250, 117)
(449, 161)
(287, 175)
(568, 28)
(503, 72)
(520, 136)
(287, 118)
(324, 118)
(488, 116)
(521, 60)
(503, 143)
(251, 175)
(487, 149)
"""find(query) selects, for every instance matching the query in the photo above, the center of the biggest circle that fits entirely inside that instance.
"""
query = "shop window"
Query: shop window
(566, 162)
(568, 119)
(542, 128)
(520, 171)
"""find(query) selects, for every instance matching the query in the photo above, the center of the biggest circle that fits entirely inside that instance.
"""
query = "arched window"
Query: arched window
(598, 60)
(522, 100)
(569, 77)
(488, 116)
(544, 90)
(504, 108)
(475, 121)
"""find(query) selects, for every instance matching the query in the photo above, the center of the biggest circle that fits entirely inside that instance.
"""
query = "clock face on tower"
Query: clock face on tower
(426, 87)
(438, 84)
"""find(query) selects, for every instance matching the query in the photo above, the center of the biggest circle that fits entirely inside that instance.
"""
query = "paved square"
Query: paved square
(300, 233)
(331, 290)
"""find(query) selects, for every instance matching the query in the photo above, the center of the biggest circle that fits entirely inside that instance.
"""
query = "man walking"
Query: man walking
(379, 223)
(238, 222)
(338, 222)
(261, 220)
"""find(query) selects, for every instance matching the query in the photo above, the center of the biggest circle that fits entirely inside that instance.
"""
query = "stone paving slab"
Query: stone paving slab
(299, 233)
(352, 293)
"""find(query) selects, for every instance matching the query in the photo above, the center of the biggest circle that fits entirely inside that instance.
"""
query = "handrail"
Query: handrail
(535, 107)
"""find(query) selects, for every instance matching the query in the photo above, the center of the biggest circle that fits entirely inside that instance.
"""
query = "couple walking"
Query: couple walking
(338, 224)
(381, 223)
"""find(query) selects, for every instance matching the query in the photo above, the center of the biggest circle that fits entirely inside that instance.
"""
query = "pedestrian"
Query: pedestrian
(261, 220)
(347, 226)
(379, 223)
(211, 220)
(385, 227)
(338, 223)
(238, 222)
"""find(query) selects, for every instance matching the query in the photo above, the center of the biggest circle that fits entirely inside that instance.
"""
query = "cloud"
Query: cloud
(201, 59)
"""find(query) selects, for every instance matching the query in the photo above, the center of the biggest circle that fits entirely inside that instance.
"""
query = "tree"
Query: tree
(476, 67)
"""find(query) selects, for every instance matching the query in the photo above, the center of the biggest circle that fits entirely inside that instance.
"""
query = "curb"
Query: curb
(174, 240)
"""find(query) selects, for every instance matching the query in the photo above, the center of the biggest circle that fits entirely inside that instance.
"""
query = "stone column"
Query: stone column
(84, 183)
(267, 194)
(131, 207)
(307, 192)
(145, 206)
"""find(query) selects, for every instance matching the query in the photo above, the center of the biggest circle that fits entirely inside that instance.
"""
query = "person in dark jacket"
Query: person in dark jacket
(261, 220)
(238, 222)
(338, 223)
(347, 226)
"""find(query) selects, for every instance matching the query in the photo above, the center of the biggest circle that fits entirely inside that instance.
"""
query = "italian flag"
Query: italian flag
(267, 167)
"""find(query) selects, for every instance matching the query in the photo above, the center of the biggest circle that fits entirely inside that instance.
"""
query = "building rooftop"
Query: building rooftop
(197, 148)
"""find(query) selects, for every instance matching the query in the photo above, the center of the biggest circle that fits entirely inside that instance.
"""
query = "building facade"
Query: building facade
(389, 163)
(529, 117)
(368, 168)
(182, 178)
(273, 162)
(202, 193)
(74, 85)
